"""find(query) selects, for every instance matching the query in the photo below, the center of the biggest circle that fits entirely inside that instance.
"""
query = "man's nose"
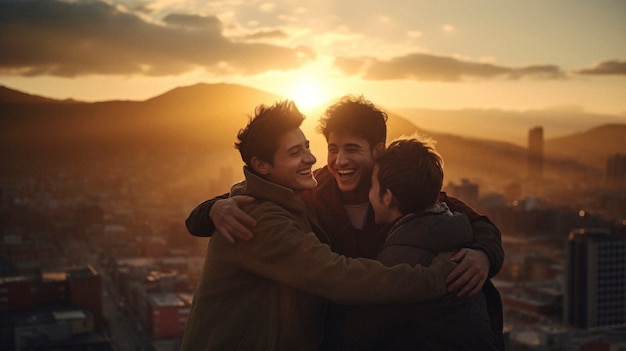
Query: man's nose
(341, 158)
(310, 158)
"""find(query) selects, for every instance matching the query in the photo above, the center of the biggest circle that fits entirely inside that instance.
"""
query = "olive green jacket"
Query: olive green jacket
(269, 293)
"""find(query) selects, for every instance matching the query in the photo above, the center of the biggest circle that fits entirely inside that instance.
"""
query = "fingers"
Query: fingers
(227, 235)
(237, 230)
(457, 278)
(470, 274)
(458, 256)
(230, 221)
(242, 199)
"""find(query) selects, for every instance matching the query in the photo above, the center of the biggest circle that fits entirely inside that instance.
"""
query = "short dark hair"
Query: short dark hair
(260, 136)
(357, 116)
(413, 171)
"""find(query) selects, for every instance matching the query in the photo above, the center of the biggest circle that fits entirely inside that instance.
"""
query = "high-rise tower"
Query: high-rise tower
(535, 153)
(595, 290)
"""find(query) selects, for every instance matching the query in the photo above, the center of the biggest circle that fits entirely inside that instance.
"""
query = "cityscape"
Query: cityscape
(119, 117)
(95, 255)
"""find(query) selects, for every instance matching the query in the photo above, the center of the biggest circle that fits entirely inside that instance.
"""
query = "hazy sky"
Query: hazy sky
(506, 54)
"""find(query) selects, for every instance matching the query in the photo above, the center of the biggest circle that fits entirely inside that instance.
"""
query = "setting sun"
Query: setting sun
(306, 93)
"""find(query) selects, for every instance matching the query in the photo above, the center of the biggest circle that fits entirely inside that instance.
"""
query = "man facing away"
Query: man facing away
(268, 293)
(406, 182)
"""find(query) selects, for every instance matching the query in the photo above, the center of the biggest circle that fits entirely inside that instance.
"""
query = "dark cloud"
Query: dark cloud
(611, 67)
(424, 67)
(211, 24)
(92, 37)
(268, 34)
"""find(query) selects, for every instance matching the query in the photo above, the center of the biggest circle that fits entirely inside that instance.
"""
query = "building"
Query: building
(535, 153)
(166, 315)
(77, 287)
(63, 328)
(595, 280)
(466, 191)
(616, 168)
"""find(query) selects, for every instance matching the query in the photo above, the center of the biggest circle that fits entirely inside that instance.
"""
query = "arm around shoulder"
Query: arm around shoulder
(199, 223)
(487, 238)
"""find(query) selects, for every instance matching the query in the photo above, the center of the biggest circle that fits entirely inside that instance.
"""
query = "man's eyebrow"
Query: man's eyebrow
(351, 145)
(296, 147)
(354, 145)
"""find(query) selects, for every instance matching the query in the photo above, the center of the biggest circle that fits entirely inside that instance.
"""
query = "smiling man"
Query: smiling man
(270, 293)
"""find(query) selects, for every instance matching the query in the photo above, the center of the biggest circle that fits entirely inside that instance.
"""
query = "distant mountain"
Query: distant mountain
(10, 96)
(195, 126)
(590, 147)
(183, 117)
(510, 126)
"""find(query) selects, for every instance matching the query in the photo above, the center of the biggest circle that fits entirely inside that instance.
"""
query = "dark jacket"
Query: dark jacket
(447, 323)
(325, 206)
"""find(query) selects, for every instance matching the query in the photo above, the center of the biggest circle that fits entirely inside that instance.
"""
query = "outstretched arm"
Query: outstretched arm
(223, 214)
(482, 260)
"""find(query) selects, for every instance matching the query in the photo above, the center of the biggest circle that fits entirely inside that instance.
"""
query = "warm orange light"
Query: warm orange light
(306, 93)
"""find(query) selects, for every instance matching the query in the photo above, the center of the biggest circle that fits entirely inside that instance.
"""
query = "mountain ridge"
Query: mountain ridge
(199, 122)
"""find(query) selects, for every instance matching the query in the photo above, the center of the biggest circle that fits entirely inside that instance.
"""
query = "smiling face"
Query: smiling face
(350, 161)
(291, 166)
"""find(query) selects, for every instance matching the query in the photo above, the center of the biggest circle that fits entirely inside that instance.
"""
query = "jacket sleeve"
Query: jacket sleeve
(487, 236)
(283, 251)
(199, 223)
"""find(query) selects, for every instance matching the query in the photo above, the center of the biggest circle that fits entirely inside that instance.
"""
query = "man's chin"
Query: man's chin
(346, 188)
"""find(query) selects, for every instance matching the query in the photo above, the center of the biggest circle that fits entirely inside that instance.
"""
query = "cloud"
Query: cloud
(91, 37)
(267, 34)
(425, 67)
(193, 21)
(611, 67)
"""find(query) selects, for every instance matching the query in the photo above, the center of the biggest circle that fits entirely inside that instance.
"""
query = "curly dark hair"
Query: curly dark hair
(260, 136)
(357, 116)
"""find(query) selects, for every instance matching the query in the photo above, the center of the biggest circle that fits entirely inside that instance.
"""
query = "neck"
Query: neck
(359, 195)
(354, 197)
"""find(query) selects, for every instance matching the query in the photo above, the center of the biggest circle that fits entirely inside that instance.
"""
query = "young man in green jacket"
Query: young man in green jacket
(269, 293)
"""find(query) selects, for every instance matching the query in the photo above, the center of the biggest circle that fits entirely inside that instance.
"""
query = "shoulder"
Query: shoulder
(323, 175)
(260, 209)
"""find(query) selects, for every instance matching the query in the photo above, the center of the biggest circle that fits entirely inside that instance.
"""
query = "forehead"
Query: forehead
(291, 138)
(346, 138)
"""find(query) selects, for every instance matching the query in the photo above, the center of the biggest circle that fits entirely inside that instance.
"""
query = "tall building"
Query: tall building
(595, 289)
(535, 153)
(616, 168)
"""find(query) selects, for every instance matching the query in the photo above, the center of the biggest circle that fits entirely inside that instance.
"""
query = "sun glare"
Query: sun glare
(306, 93)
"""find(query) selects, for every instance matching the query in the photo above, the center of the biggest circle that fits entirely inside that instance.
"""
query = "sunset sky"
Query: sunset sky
(512, 55)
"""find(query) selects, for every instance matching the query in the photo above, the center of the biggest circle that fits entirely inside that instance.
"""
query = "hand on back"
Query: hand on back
(470, 274)
(231, 221)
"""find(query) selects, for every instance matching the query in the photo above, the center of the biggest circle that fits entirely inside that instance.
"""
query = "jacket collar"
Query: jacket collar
(262, 189)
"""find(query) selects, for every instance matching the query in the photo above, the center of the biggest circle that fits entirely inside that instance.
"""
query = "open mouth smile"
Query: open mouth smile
(346, 172)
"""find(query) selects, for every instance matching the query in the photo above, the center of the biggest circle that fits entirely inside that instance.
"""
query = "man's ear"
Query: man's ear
(379, 150)
(260, 166)
(391, 201)
(388, 198)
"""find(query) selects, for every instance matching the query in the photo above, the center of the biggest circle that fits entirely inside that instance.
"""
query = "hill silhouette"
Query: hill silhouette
(591, 147)
(510, 126)
(194, 127)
